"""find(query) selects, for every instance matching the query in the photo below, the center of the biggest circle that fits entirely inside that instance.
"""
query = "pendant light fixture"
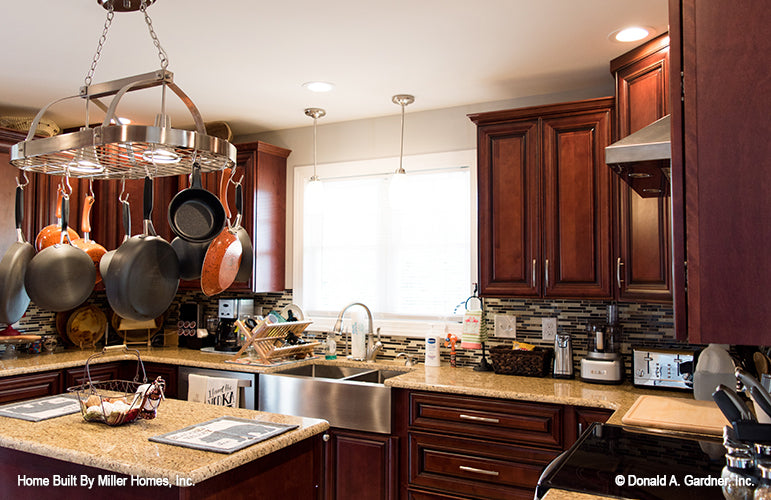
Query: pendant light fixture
(116, 150)
(314, 190)
(397, 194)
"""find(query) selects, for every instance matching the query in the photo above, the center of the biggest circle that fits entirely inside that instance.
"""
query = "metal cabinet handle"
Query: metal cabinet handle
(480, 419)
(619, 263)
(533, 278)
(325, 437)
(546, 272)
(478, 471)
(580, 428)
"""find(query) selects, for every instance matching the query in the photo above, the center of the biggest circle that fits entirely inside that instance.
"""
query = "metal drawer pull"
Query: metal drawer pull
(480, 419)
(478, 471)
(533, 274)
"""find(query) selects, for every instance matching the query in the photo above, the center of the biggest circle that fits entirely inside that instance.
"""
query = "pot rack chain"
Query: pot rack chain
(100, 45)
(162, 55)
(161, 51)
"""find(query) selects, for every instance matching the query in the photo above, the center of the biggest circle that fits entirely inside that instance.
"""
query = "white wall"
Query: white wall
(430, 131)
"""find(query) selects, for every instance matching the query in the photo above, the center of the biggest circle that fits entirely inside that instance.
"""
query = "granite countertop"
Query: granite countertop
(466, 381)
(462, 380)
(126, 449)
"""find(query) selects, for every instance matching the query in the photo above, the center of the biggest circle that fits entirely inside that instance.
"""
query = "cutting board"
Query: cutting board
(684, 415)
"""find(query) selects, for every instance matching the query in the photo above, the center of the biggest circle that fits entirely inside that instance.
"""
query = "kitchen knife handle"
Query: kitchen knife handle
(479, 419)
(533, 278)
(619, 264)
(478, 471)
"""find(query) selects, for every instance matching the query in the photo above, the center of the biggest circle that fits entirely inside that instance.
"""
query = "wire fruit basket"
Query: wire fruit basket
(118, 402)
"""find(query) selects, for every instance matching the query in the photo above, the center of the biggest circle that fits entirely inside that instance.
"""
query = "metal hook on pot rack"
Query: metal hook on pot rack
(123, 196)
(26, 180)
(66, 186)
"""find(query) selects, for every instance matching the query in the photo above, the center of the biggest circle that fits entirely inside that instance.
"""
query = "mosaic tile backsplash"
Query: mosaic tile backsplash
(649, 325)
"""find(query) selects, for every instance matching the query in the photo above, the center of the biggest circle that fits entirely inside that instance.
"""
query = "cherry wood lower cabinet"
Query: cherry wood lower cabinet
(471, 447)
(34, 385)
(361, 465)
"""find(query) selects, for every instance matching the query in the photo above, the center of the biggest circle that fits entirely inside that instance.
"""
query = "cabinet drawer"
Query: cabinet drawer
(35, 385)
(516, 422)
(478, 468)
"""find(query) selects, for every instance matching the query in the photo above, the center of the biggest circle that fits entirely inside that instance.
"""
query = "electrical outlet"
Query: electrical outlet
(548, 328)
(506, 325)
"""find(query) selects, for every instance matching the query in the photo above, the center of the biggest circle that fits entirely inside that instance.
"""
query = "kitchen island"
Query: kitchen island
(67, 457)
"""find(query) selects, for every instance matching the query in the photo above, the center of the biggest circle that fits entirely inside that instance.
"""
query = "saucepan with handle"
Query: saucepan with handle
(143, 275)
(62, 276)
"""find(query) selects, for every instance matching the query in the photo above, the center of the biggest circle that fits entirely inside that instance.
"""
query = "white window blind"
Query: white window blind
(410, 262)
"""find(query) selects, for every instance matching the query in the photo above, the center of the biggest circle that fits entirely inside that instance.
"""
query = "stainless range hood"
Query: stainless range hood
(642, 159)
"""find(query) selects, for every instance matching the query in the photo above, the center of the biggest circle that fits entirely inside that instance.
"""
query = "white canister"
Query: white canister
(432, 351)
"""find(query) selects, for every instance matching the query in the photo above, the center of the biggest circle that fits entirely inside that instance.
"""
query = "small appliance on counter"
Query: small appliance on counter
(666, 368)
(603, 364)
(563, 356)
(226, 338)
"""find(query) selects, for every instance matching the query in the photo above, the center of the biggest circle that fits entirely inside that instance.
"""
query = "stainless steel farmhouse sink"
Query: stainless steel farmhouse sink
(347, 397)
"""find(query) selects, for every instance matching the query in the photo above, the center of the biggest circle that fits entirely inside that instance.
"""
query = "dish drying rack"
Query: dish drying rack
(267, 339)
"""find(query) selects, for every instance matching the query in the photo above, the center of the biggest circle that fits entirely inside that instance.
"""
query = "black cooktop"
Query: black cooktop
(610, 460)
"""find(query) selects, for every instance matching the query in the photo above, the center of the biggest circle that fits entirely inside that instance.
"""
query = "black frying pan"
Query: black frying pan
(190, 257)
(143, 275)
(62, 276)
(195, 214)
(13, 267)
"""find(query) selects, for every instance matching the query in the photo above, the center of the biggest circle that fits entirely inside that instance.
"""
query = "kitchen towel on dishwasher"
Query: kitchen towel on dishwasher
(213, 390)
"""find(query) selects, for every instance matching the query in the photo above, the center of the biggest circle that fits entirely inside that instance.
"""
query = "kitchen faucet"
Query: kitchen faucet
(372, 348)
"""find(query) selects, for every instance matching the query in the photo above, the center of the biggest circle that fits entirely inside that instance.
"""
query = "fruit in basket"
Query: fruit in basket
(93, 400)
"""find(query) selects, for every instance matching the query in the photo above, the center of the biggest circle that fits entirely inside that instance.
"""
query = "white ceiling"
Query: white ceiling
(243, 61)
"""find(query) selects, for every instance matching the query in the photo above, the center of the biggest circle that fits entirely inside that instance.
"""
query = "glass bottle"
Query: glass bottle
(738, 478)
(763, 490)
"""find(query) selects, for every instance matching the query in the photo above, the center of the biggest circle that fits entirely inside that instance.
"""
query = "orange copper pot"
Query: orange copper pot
(92, 248)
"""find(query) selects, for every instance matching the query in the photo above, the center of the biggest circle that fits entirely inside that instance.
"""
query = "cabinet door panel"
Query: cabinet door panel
(643, 224)
(509, 215)
(361, 465)
(577, 206)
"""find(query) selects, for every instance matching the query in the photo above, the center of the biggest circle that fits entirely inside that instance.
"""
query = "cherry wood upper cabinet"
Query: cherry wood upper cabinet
(544, 201)
(642, 225)
(720, 170)
(263, 168)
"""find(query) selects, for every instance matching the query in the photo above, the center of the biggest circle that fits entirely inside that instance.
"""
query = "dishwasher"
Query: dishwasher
(247, 397)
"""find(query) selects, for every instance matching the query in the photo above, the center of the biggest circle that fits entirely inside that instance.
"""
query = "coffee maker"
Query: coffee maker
(226, 338)
(603, 364)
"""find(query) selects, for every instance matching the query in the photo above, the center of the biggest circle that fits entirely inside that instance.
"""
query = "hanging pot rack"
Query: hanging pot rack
(114, 150)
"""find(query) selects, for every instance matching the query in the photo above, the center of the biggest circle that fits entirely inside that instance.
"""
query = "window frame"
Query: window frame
(404, 326)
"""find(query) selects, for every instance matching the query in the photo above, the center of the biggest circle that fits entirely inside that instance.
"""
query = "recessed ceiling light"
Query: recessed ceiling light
(631, 34)
(318, 86)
